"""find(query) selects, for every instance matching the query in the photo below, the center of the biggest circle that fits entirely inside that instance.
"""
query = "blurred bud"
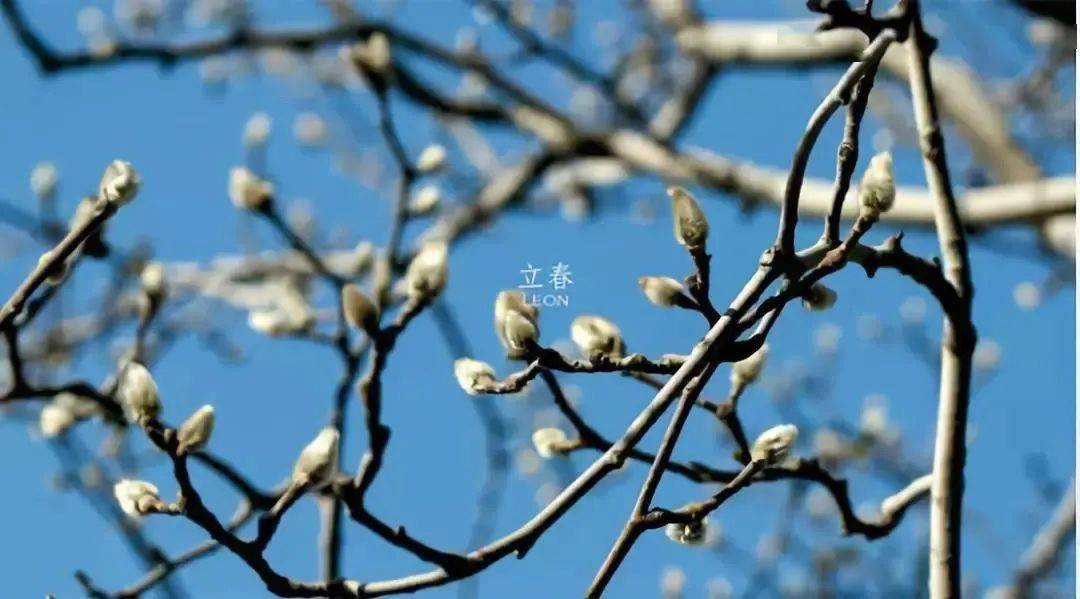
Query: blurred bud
(773, 445)
(139, 393)
(57, 272)
(661, 291)
(472, 375)
(874, 419)
(692, 533)
(748, 369)
(310, 129)
(318, 460)
(877, 192)
(987, 355)
(360, 311)
(247, 191)
(119, 183)
(818, 298)
(432, 159)
(195, 432)
(425, 200)
(829, 446)
(719, 588)
(137, 497)
(549, 442)
(691, 227)
(55, 419)
(152, 279)
(1027, 295)
(913, 310)
(269, 322)
(371, 56)
(257, 130)
(672, 582)
(427, 273)
(596, 335)
(43, 180)
(508, 302)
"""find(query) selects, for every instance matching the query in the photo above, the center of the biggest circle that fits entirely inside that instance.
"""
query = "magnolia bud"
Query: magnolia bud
(119, 183)
(691, 228)
(877, 192)
(472, 375)
(152, 279)
(247, 191)
(195, 432)
(432, 159)
(371, 55)
(360, 311)
(257, 130)
(596, 335)
(426, 275)
(136, 497)
(549, 442)
(310, 129)
(691, 533)
(819, 298)
(318, 460)
(520, 332)
(773, 445)
(43, 180)
(748, 369)
(139, 393)
(55, 419)
(59, 270)
(425, 200)
(661, 291)
(505, 303)
(273, 323)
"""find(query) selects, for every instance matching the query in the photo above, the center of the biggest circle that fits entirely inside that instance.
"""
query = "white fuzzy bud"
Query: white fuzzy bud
(596, 335)
(119, 183)
(139, 393)
(273, 323)
(257, 130)
(247, 191)
(371, 55)
(661, 291)
(58, 272)
(195, 432)
(152, 279)
(819, 298)
(549, 442)
(692, 533)
(318, 460)
(55, 419)
(773, 445)
(136, 497)
(310, 129)
(520, 332)
(473, 375)
(360, 311)
(877, 192)
(505, 303)
(432, 159)
(691, 227)
(748, 369)
(427, 273)
(425, 200)
(43, 180)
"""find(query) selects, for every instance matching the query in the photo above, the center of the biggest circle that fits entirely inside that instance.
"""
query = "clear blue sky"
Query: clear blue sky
(183, 138)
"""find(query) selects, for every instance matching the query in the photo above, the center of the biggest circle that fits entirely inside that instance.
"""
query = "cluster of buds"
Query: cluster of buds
(516, 323)
(248, 191)
(139, 394)
(473, 375)
(773, 445)
(877, 191)
(597, 336)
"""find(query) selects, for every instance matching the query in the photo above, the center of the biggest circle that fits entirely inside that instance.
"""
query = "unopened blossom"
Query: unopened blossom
(310, 129)
(549, 442)
(139, 393)
(520, 332)
(195, 432)
(257, 130)
(661, 291)
(55, 419)
(427, 273)
(360, 312)
(508, 302)
(43, 180)
(987, 355)
(247, 191)
(773, 445)
(473, 375)
(119, 183)
(818, 298)
(748, 369)
(57, 272)
(691, 533)
(318, 460)
(152, 279)
(137, 497)
(425, 200)
(372, 55)
(691, 227)
(877, 192)
(597, 335)
(432, 159)
(672, 582)
(273, 323)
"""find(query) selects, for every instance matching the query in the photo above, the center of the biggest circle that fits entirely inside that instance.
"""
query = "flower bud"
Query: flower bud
(691, 227)
(520, 332)
(139, 393)
(195, 432)
(371, 55)
(505, 303)
(310, 129)
(273, 323)
(55, 419)
(247, 191)
(661, 291)
(425, 200)
(58, 272)
(819, 298)
(152, 279)
(473, 375)
(360, 311)
(427, 273)
(748, 369)
(432, 159)
(773, 445)
(43, 180)
(119, 183)
(596, 335)
(877, 192)
(549, 442)
(137, 497)
(691, 533)
(257, 130)
(318, 460)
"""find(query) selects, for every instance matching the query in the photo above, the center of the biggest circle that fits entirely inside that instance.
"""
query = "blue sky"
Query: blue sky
(183, 138)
